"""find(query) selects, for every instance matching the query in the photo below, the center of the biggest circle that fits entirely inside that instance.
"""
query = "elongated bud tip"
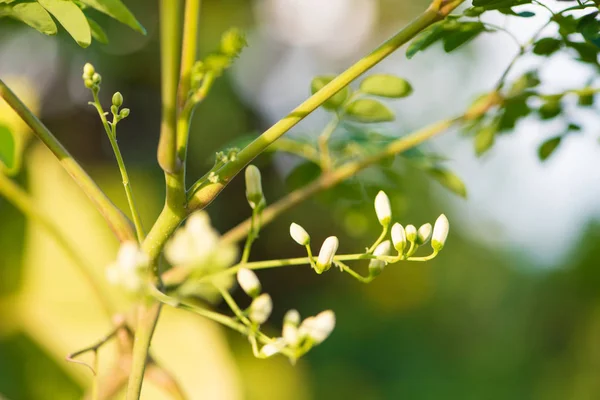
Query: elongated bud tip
(398, 237)
(383, 208)
(376, 266)
(292, 317)
(326, 254)
(290, 332)
(88, 71)
(254, 192)
(249, 282)
(319, 327)
(124, 113)
(260, 309)
(117, 99)
(440, 233)
(299, 234)
(411, 233)
(424, 234)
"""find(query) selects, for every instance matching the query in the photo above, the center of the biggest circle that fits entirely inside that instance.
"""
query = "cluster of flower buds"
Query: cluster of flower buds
(254, 191)
(407, 240)
(117, 102)
(262, 305)
(91, 79)
(299, 337)
(129, 269)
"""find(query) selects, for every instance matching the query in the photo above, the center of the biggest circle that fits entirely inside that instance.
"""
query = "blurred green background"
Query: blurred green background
(509, 310)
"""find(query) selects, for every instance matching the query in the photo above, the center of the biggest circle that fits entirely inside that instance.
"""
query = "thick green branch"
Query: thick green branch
(206, 193)
(119, 224)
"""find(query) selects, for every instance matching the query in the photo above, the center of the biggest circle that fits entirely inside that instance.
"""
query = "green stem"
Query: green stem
(21, 200)
(326, 162)
(119, 224)
(233, 305)
(379, 239)
(356, 275)
(206, 193)
(111, 132)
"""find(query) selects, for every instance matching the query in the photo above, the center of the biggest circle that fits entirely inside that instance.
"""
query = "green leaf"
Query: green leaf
(526, 14)
(485, 138)
(548, 147)
(368, 110)
(588, 53)
(302, 175)
(71, 18)
(117, 10)
(336, 101)
(513, 109)
(425, 39)
(384, 85)
(589, 27)
(547, 46)
(8, 156)
(33, 15)
(449, 180)
(498, 4)
(550, 109)
(461, 34)
(97, 32)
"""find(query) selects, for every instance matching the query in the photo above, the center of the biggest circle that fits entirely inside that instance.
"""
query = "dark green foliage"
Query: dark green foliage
(548, 147)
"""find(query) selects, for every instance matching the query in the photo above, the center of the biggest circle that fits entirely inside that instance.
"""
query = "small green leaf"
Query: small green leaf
(117, 10)
(8, 147)
(449, 180)
(526, 14)
(589, 27)
(368, 110)
(550, 109)
(97, 32)
(425, 39)
(546, 46)
(548, 147)
(336, 101)
(71, 18)
(33, 15)
(586, 100)
(485, 138)
(463, 33)
(384, 85)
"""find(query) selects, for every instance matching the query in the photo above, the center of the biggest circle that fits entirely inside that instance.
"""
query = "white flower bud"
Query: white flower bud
(424, 234)
(440, 232)
(290, 332)
(88, 71)
(398, 237)
(411, 233)
(291, 317)
(260, 309)
(319, 327)
(254, 192)
(273, 348)
(376, 266)
(299, 234)
(248, 282)
(326, 254)
(383, 208)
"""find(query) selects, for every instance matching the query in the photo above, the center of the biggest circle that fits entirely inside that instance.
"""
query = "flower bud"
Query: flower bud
(232, 42)
(88, 83)
(440, 232)
(398, 237)
(88, 70)
(260, 309)
(124, 113)
(376, 266)
(254, 192)
(96, 78)
(383, 208)
(424, 234)
(291, 317)
(273, 348)
(326, 254)
(411, 233)
(319, 327)
(117, 99)
(290, 332)
(299, 234)
(248, 282)
(114, 110)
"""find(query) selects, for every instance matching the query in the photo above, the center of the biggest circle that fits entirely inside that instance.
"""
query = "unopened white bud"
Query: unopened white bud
(424, 234)
(291, 317)
(248, 282)
(260, 309)
(398, 237)
(376, 266)
(299, 234)
(319, 327)
(273, 348)
(326, 254)
(254, 192)
(383, 208)
(290, 332)
(411, 233)
(440, 232)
